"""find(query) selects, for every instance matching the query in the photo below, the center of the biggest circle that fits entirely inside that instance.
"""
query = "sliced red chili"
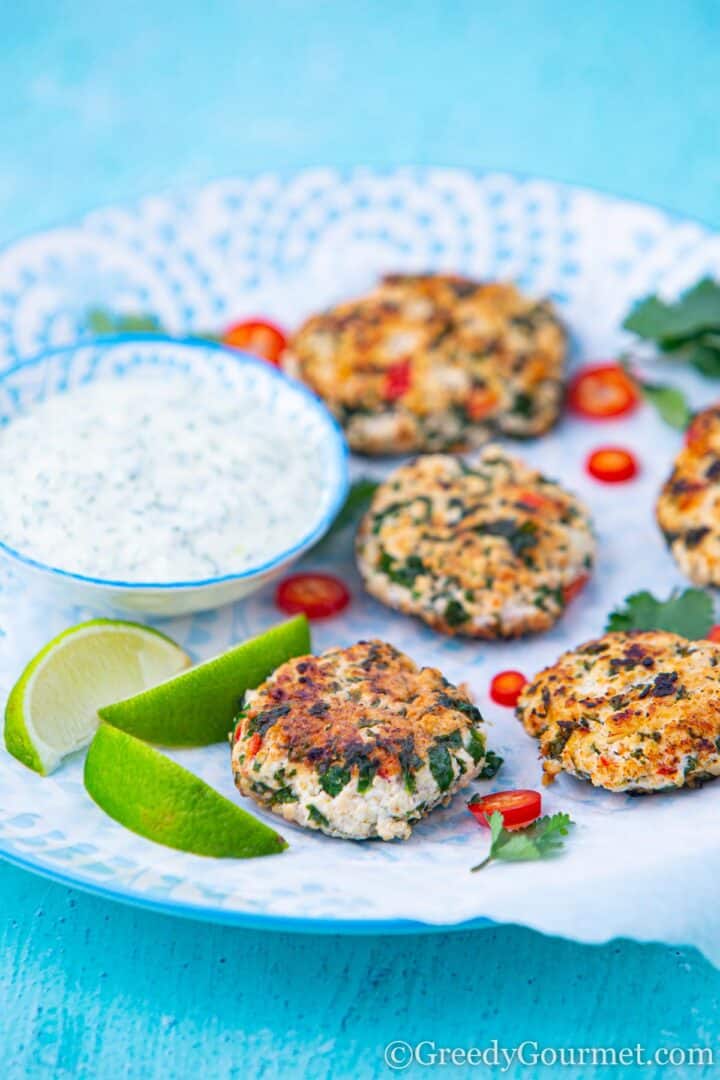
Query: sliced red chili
(254, 744)
(612, 464)
(480, 403)
(575, 588)
(506, 687)
(518, 808)
(602, 391)
(259, 337)
(316, 595)
(398, 380)
(532, 499)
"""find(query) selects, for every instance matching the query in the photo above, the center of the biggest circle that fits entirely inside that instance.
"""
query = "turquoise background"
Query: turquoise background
(103, 102)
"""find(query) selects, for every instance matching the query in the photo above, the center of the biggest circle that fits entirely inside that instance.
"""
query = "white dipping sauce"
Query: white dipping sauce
(156, 480)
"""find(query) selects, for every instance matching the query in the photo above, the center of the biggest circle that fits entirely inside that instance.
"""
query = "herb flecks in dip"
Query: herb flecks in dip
(155, 479)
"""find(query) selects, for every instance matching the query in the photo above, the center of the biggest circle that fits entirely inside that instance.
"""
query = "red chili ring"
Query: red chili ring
(506, 687)
(612, 464)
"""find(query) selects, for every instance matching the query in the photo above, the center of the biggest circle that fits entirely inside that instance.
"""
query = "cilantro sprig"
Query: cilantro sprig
(357, 501)
(688, 329)
(671, 403)
(689, 614)
(101, 321)
(541, 840)
(493, 763)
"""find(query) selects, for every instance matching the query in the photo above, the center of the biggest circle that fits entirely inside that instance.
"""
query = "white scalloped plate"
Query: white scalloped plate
(283, 248)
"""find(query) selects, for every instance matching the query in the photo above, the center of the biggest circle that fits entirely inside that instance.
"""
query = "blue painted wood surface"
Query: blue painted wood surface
(98, 989)
(102, 103)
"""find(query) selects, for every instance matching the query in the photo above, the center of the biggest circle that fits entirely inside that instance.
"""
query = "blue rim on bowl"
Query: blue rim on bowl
(336, 437)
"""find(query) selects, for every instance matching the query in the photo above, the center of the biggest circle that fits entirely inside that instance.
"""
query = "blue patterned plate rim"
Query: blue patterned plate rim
(337, 439)
(349, 172)
(241, 919)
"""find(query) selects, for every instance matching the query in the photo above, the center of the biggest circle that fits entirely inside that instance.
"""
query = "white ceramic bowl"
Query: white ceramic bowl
(61, 370)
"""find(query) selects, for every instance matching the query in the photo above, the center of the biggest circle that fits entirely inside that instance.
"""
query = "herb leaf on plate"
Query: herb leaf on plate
(689, 614)
(705, 357)
(493, 763)
(357, 501)
(101, 321)
(696, 312)
(671, 403)
(541, 840)
(688, 328)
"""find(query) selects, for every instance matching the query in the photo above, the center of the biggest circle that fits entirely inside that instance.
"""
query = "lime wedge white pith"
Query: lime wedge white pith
(154, 796)
(53, 708)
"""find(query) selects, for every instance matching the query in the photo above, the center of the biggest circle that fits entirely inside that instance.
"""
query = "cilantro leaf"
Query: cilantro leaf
(648, 318)
(520, 536)
(402, 573)
(334, 779)
(495, 821)
(493, 763)
(455, 613)
(100, 321)
(316, 815)
(476, 746)
(670, 402)
(688, 329)
(697, 311)
(356, 503)
(441, 765)
(358, 499)
(689, 613)
(541, 840)
(705, 356)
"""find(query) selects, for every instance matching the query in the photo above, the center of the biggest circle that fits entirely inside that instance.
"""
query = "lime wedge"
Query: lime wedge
(53, 708)
(199, 706)
(155, 797)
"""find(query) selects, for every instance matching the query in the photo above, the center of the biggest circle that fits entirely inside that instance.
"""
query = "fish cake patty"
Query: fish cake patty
(357, 742)
(631, 711)
(434, 362)
(487, 550)
(688, 509)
